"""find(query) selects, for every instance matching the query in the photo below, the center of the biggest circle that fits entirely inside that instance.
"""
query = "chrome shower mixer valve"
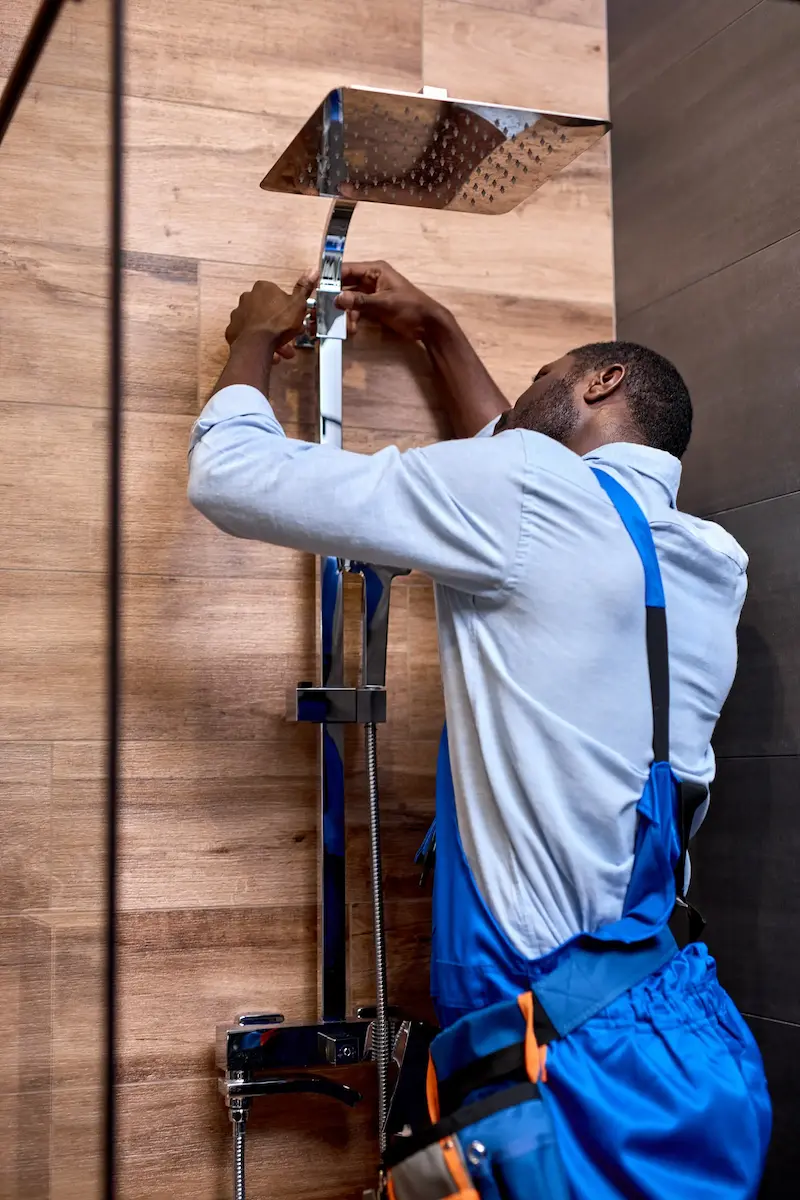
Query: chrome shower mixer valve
(424, 151)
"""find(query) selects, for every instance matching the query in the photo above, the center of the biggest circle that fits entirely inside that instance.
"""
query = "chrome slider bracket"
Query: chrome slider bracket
(337, 705)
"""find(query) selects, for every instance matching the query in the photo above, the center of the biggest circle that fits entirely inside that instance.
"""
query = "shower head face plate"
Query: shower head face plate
(421, 151)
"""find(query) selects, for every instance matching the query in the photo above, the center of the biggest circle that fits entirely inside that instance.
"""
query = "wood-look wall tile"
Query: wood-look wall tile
(555, 247)
(407, 783)
(748, 312)
(80, 37)
(762, 713)
(408, 939)
(78, 842)
(745, 882)
(53, 350)
(517, 59)
(183, 971)
(578, 12)
(54, 175)
(389, 385)
(161, 314)
(25, 1142)
(427, 714)
(53, 516)
(25, 821)
(220, 843)
(262, 59)
(53, 303)
(683, 206)
(645, 39)
(52, 661)
(165, 536)
(207, 658)
(11, 951)
(78, 1003)
(202, 823)
(25, 1003)
(256, 59)
(515, 335)
(175, 1143)
(16, 23)
(564, 228)
(193, 176)
(77, 1137)
(780, 1048)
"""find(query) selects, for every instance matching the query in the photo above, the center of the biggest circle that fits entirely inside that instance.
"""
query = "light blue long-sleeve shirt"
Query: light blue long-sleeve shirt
(540, 610)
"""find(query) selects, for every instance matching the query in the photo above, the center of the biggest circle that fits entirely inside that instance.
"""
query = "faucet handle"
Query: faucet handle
(249, 1089)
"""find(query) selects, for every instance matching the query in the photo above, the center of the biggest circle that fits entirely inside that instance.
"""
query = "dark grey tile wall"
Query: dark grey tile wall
(648, 36)
(721, 125)
(705, 100)
(780, 1047)
(742, 365)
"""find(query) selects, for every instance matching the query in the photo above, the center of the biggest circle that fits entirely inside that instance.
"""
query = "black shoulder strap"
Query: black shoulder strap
(690, 795)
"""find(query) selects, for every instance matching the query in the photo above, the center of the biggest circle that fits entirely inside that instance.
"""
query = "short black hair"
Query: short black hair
(658, 399)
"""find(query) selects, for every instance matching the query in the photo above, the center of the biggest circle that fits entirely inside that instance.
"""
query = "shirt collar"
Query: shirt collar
(642, 468)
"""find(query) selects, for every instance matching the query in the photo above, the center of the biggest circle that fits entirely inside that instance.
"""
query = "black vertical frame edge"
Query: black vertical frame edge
(27, 60)
(114, 596)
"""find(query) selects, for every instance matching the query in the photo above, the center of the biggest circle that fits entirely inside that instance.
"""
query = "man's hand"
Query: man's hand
(376, 291)
(261, 330)
(271, 314)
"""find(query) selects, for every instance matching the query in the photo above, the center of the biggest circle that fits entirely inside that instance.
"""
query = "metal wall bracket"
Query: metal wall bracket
(337, 705)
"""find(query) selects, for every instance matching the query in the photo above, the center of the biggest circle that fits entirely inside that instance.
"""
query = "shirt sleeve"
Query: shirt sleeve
(452, 510)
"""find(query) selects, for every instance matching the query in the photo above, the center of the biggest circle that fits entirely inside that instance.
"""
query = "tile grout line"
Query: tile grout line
(682, 58)
(711, 274)
(514, 12)
(722, 512)
(772, 1020)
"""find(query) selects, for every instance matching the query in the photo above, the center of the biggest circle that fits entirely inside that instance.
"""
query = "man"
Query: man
(569, 775)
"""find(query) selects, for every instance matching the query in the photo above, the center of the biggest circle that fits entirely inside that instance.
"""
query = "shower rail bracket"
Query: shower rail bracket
(337, 705)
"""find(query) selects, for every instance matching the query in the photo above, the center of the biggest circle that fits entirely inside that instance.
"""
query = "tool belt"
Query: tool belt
(448, 1159)
(497, 1096)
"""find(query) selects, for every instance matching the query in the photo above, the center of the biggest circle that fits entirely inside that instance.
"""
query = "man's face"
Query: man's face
(551, 405)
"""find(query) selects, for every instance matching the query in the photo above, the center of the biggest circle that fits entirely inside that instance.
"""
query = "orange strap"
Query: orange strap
(464, 1186)
(535, 1055)
(432, 1091)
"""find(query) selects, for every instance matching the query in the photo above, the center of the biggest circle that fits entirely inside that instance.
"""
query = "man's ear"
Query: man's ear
(604, 383)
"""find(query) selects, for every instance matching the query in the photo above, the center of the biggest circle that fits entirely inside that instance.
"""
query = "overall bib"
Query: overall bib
(614, 1067)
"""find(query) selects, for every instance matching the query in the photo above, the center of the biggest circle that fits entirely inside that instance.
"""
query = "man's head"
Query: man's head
(607, 392)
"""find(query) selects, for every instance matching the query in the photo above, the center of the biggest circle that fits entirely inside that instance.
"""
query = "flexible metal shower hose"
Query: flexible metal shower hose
(381, 1029)
(238, 1160)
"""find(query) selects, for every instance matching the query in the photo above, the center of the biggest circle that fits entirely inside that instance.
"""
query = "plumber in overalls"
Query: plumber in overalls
(587, 633)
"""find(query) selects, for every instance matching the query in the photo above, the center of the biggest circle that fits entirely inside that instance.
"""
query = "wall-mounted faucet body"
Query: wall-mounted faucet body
(426, 151)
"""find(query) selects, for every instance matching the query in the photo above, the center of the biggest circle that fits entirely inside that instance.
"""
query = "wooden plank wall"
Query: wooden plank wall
(706, 107)
(218, 842)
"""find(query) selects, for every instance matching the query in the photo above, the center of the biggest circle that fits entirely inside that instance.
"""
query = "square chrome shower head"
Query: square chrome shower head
(404, 148)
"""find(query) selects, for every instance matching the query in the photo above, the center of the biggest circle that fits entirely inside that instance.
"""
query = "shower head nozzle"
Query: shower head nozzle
(427, 152)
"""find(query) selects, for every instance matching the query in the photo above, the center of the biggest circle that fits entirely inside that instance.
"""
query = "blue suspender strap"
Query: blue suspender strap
(638, 528)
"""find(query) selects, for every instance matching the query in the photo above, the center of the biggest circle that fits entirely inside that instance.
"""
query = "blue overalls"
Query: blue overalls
(615, 1066)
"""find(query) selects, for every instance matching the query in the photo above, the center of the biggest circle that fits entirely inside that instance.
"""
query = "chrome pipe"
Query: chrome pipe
(331, 330)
